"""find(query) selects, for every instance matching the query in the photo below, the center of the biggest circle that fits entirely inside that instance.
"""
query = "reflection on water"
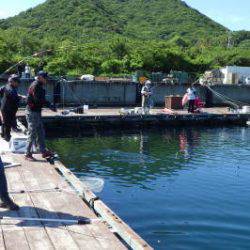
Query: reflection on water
(188, 140)
(131, 158)
(178, 188)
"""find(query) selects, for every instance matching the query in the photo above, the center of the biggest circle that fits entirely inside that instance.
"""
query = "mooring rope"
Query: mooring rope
(223, 98)
(231, 101)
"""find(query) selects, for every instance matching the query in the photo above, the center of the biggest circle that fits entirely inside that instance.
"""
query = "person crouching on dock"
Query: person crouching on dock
(35, 102)
(9, 105)
(6, 201)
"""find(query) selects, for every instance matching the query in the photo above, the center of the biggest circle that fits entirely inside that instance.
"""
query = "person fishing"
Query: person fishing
(9, 106)
(35, 102)
(6, 201)
(191, 94)
(27, 71)
(146, 94)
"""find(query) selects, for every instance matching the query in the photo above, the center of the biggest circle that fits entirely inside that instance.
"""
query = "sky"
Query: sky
(233, 14)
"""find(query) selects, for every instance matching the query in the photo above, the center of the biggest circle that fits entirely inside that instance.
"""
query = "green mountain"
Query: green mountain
(142, 19)
(116, 37)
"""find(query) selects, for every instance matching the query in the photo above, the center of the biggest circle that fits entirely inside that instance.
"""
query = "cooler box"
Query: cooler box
(173, 102)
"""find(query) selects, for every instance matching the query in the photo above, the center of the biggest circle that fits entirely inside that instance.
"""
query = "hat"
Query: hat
(14, 78)
(43, 74)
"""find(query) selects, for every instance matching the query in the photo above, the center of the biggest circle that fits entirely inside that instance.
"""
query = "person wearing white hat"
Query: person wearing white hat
(146, 94)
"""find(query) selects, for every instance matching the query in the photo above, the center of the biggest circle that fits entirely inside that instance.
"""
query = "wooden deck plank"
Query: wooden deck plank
(60, 238)
(42, 199)
(2, 245)
(14, 236)
(99, 231)
(105, 238)
(65, 202)
(95, 230)
(35, 232)
(128, 235)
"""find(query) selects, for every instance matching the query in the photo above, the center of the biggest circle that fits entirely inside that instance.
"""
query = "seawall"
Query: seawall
(128, 94)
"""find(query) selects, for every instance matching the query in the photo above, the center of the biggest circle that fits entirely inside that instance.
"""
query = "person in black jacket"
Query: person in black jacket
(9, 105)
(6, 201)
(35, 102)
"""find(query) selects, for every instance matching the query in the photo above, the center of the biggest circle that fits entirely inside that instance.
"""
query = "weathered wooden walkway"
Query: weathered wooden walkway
(42, 192)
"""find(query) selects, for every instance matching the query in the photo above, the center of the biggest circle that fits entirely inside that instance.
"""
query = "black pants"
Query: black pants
(8, 122)
(190, 106)
(4, 196)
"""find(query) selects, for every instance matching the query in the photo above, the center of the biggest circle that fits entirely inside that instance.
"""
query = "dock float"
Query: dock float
(57, 211)
(111, 118)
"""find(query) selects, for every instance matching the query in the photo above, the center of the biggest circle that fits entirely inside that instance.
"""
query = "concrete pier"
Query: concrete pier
(111, 118)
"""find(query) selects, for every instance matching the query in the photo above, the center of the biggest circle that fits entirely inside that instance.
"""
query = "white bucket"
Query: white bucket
(18, 145)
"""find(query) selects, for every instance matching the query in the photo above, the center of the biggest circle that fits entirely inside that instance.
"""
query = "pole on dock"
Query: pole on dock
(55, 189)
(13, 165)
(79, 222)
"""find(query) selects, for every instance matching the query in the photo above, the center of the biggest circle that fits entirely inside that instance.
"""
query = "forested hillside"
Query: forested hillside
(119, 37)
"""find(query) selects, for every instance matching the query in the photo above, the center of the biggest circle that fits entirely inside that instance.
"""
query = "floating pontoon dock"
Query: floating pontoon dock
(57, 211)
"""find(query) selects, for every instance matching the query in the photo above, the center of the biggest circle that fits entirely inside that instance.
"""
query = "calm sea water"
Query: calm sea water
(179, 189)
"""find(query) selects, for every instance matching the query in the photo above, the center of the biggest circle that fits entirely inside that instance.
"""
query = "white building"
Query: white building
(235, 74)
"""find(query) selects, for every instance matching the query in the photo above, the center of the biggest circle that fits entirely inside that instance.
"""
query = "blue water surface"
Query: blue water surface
(178, 188)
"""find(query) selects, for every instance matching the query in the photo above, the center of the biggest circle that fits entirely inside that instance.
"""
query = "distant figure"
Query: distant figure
(27, 71)
(146, 94)
(6, 201)
(35, 102)
(247, 80)
(32, 72)
(9, 105)
(191, 93)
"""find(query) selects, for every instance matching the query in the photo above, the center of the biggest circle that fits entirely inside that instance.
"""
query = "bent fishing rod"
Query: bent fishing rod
(36, 54)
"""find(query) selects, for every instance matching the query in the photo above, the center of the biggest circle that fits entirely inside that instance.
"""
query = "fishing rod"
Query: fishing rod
(12, 165)
(79, 222)
(41, 53)
(36, 54)
(55, 189)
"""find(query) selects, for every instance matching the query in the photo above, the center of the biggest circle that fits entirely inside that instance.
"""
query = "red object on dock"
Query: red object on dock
(173, 102)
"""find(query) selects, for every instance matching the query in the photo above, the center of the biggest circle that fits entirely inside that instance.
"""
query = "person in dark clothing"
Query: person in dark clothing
(6, 201)
(9, 105)
(35, 102)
